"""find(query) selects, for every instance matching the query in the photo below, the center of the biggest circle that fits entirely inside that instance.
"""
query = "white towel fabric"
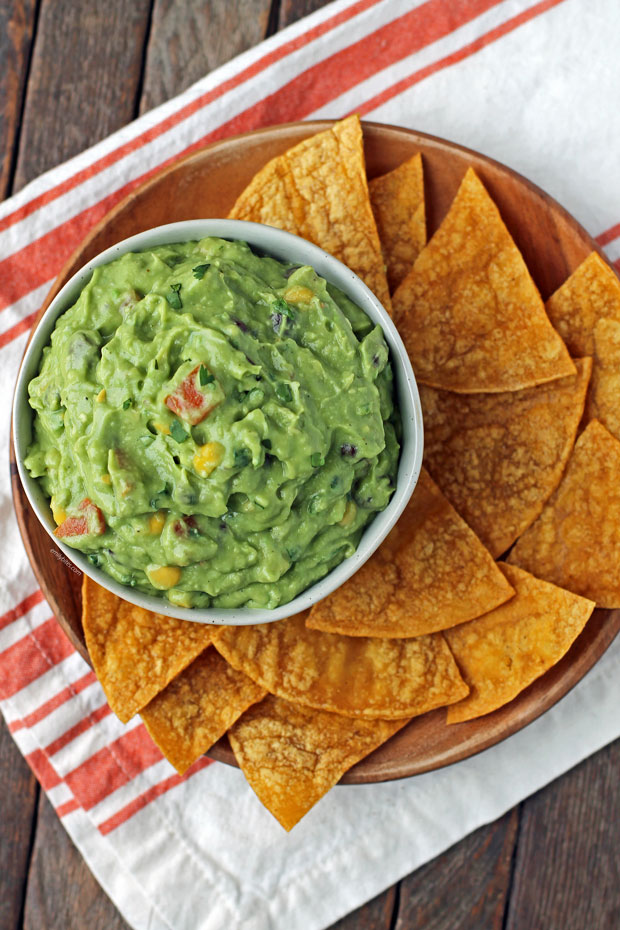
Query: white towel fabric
(534, 84)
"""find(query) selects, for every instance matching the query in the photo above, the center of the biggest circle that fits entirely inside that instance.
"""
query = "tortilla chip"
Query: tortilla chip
(603, 401)
(586, 312)
(292, 755)
(503, 652)
(397, 200)
(469, 313)
(575, 543)
(499, 457)
(318, 190)
(430, 573)
(135, 652)
(198, 707)
(354, 676)
(591, 293)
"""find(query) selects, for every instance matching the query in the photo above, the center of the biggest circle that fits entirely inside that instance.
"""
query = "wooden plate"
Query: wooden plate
(205, 184)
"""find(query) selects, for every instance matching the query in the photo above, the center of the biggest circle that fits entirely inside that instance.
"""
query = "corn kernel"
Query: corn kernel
(208, 457)
(349, 514)
(101, 396)
(156, 522)
(162, 428)
(106, 479)
(299, 295)
(58, 513)
(164, 576)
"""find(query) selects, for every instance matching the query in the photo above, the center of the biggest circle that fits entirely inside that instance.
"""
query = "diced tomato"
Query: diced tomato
(72, 526)
(90, 523)
(185, 526)
(189, 402)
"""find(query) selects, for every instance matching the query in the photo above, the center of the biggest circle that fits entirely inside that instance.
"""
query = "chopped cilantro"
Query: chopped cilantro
(174, 299)
(205, 376)
(127, 404)
(177, 432)
(283, 391)
(282, 307)
(242, 457)
(199, 271)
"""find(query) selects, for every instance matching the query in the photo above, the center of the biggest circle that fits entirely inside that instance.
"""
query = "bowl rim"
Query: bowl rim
(285, 246)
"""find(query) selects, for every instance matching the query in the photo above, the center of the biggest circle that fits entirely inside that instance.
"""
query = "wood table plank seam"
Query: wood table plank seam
(273, 19)
(33, 835)
(513, 867)
(143, 61)
(396, 908)
(10, 181)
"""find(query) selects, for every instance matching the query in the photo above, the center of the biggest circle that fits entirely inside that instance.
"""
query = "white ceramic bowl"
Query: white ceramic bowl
(284, 246)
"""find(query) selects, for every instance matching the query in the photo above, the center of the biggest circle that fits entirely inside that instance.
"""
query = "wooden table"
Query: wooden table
(73, 71)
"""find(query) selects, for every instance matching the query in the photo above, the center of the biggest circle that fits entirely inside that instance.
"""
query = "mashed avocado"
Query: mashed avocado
(214, 426)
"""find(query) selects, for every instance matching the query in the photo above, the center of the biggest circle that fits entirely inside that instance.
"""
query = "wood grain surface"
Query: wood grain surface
(84, 79)
(551, 864)
(189, 38)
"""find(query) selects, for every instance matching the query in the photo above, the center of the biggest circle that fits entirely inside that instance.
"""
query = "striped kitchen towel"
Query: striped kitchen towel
(534, 84)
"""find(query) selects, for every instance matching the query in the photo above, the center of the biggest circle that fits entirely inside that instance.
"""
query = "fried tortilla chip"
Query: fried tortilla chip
(469, 313)
(354, 676)
(397, 200)
(292, 755)
(591, 293)
(503, 652)
(499, 457)
(198, 707)
(135, 652)
(586, 312)
(318, 190)
(603, 400)
(575, 543)
(431, 572)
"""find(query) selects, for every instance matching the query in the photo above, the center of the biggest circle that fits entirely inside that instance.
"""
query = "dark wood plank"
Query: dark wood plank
(84, 79)
(567, 872)
(19, 793)
(375, 915)
(62, 893)
(465, 888)
(189, 38)
(292, 10)
(17, 19)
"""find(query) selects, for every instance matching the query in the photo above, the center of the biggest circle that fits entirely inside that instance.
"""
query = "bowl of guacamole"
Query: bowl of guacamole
(217, 421)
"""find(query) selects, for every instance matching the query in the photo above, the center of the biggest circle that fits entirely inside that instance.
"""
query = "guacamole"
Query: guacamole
(214, 426)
